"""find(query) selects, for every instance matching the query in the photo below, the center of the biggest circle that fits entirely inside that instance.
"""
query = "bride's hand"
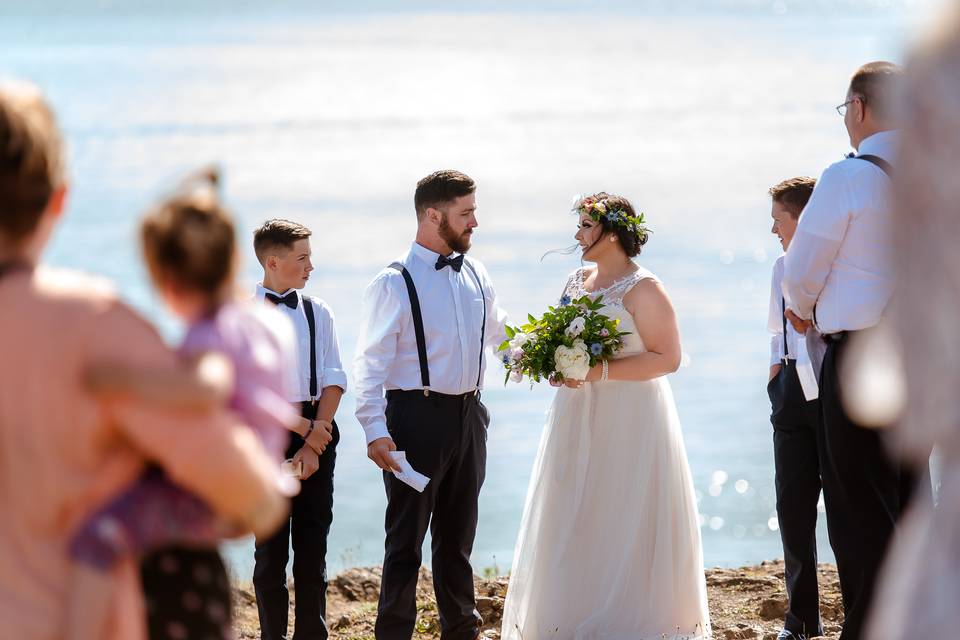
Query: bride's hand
(573, 384)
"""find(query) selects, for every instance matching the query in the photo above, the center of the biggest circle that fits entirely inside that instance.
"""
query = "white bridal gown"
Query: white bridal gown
(609, 544)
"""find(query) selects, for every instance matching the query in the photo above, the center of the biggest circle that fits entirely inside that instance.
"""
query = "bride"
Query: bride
(609, 544)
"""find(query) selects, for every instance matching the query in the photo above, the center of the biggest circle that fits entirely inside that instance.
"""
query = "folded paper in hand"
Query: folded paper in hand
(407, 474)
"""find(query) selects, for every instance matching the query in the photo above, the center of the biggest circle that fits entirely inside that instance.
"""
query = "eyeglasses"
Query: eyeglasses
(842, 108)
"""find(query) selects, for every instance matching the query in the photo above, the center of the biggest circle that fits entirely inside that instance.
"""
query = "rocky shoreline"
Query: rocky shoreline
(745, 603)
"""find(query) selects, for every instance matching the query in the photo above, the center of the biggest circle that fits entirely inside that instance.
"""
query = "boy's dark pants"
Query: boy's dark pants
(308, 526)
(795, 432)
(445, 438)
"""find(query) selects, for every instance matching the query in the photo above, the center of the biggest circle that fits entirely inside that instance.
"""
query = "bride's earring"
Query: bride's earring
(613, 238)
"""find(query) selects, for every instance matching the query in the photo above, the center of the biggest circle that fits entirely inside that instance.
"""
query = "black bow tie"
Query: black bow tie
(290, 299)
(454, 263)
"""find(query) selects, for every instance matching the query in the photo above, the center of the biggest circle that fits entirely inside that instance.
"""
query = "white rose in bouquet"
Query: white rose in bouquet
(519, 340)
(576, 326)
(572, 362)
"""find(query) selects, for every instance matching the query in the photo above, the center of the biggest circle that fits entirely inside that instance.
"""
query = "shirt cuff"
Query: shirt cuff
(335, 378)
(376, 430)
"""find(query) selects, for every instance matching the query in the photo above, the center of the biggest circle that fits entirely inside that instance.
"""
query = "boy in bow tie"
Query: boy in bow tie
(283, 249)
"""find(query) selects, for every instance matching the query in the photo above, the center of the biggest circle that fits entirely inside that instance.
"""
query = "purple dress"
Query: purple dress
(155, 512)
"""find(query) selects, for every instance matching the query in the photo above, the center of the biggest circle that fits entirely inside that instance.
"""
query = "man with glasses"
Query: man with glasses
(838, 277)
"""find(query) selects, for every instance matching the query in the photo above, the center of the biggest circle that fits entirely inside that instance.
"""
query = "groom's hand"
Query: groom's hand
(379, 451)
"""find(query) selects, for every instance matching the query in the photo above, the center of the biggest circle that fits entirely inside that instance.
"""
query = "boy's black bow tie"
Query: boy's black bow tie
(290, 299)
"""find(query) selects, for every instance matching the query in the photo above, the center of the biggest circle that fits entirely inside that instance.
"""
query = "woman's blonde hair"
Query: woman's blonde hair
(32, 165)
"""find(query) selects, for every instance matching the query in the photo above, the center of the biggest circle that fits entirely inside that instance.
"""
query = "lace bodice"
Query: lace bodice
(612, 295)
(613, 303)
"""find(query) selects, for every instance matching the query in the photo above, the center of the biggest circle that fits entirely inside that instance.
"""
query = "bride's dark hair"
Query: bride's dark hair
(630, 239)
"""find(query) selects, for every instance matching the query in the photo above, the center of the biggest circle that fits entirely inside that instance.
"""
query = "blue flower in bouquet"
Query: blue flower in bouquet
(596, 348)
(506, 358)
(565, 301)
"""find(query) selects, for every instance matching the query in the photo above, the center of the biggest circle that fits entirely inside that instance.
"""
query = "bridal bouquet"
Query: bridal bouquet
(563, 343)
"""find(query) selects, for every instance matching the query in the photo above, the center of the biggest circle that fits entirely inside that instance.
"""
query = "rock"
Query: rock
(244, 597)
(832, 611)
(741, 632)
(358, 585)
(491, 609)
(773, 608)
(342, 623)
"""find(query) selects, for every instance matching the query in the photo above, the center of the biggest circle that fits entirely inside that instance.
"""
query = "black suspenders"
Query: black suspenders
(312, 323)
(783, 316)
(483, 326)
(418, 324)
(879, 162)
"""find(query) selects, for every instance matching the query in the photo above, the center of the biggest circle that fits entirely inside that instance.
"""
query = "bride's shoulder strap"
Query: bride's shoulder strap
(574, 282)
(630, 282)
(644, 274)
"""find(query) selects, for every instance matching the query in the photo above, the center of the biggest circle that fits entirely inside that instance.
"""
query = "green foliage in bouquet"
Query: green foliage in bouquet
(563, 343)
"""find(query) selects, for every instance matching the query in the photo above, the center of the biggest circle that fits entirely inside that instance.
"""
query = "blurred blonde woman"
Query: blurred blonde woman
(62, 451)
(920, 584)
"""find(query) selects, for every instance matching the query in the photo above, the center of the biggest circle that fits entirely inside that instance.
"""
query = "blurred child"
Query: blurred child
(233, 354)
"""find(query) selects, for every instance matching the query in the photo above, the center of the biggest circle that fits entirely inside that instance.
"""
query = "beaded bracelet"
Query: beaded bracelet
(605, 372)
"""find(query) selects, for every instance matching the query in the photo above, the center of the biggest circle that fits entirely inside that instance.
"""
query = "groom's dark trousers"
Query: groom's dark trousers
(864, 490)
(795, 430)
(445, 438)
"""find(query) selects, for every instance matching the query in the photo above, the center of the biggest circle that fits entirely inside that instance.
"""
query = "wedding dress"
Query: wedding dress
(609, 545)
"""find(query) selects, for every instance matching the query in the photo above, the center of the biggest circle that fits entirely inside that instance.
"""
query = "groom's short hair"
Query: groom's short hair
(439, 187)
(277, 234)
(793, 193)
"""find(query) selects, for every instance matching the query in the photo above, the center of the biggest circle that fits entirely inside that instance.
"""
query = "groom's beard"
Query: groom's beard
(459, 243)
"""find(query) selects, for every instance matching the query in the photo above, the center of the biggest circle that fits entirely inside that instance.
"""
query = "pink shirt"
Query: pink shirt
(62, 452)
(259, 343)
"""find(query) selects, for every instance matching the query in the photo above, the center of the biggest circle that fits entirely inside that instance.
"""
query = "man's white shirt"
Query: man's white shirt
(839, 267)
(330, 371)
(775, 320)
(452, 306)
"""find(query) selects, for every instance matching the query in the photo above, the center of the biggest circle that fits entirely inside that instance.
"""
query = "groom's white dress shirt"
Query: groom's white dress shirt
(839, 267)
(452, 306)
(330, 371)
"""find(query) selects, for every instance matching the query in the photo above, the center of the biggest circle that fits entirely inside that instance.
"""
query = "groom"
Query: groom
(427, 318)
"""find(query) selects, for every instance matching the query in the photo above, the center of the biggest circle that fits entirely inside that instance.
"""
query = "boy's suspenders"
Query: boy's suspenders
(312, 324)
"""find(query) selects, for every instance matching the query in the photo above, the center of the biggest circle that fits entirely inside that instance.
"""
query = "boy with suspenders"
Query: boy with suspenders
(283, 249)
(795, 416)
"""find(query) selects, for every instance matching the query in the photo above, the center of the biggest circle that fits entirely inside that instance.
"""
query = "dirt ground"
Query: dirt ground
(745, 603)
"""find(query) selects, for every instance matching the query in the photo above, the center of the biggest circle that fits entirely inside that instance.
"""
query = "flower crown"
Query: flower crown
(598, 209)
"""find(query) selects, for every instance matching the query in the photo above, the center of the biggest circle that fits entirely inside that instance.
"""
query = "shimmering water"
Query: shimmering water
(330, 115)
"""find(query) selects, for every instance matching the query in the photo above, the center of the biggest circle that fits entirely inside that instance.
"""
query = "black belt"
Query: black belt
(402, 393)
(839, 336)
